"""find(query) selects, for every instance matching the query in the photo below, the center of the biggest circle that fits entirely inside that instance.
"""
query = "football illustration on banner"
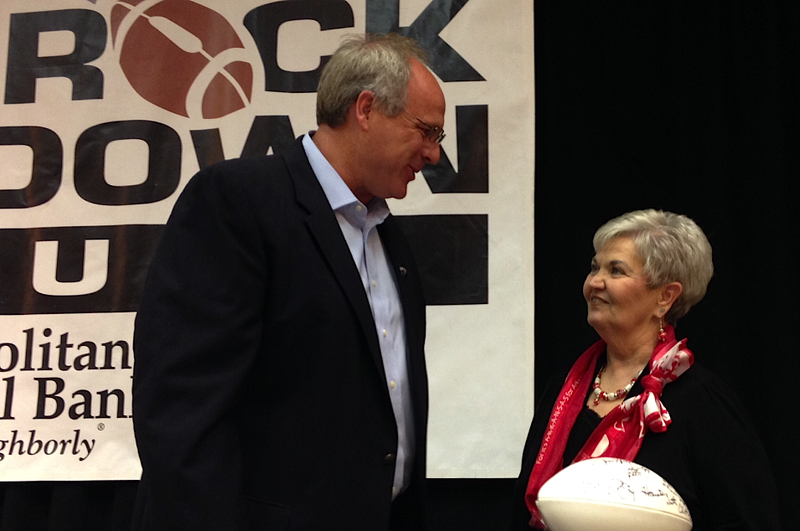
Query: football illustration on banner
(182, 56)
(608, 494)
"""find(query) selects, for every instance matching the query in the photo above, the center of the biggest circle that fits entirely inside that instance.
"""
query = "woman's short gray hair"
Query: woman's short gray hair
(379, 63)
(672, 247)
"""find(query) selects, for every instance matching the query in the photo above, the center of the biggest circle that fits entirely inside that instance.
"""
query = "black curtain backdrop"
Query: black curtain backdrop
(673, 104)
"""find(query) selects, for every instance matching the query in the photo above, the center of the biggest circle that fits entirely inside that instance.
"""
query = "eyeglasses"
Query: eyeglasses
(434, 133)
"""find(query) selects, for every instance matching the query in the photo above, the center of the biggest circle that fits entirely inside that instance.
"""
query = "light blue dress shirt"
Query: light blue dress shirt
(359, 223)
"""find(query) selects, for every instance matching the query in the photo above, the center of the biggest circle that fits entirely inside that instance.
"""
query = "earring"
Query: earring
(662, 335)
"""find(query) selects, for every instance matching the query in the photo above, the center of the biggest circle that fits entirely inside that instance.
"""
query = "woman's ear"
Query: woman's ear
(669, 294)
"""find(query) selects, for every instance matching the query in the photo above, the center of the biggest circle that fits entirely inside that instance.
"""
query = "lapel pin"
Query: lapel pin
(403, 271)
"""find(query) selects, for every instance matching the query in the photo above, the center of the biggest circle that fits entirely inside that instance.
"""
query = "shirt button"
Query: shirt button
(358, 208)
(374, 283)
(385, 333)
(392, 384)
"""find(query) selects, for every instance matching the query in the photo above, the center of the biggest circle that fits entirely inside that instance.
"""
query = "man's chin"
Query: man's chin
(400, 194)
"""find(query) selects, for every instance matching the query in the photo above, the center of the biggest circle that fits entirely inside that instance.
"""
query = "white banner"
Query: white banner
(110, 107)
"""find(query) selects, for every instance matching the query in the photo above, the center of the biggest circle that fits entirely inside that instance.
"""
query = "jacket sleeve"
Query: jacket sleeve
(731, 468)
(520, 515)
(197, 334)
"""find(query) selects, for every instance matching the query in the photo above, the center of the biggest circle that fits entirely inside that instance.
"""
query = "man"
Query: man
(280, 377)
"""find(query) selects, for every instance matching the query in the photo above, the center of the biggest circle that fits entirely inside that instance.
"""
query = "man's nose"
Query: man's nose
(431, 152)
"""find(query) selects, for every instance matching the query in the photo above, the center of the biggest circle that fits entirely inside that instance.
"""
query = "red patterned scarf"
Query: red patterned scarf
(620, 433)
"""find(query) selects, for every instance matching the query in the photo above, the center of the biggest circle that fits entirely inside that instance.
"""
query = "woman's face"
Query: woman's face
(616, 292)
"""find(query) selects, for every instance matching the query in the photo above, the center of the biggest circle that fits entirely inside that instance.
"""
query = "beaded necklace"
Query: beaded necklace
(599, 394)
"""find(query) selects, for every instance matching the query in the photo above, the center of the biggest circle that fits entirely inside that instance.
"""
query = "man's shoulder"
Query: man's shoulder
(270, 184)
(290, 159)
(246, 167)
(251, 174)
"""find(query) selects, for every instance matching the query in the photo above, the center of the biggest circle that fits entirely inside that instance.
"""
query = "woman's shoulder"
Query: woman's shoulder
(699, 379)
(704, 399)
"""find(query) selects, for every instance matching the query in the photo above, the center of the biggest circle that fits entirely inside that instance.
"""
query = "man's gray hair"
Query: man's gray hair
(379, 63)
(672, 247)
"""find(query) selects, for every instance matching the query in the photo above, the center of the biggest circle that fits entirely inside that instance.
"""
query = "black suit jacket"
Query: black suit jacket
(260, 400)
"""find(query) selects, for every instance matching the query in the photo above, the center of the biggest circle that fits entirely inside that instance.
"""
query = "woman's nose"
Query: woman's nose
(595, 280)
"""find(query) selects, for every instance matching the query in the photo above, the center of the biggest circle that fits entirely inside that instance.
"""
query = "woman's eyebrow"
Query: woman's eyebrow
(619, 262)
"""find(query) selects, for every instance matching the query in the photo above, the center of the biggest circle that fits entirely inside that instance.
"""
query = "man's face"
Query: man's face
(397, 147)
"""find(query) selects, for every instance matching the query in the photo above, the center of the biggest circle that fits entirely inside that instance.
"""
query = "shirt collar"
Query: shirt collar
(340, 197)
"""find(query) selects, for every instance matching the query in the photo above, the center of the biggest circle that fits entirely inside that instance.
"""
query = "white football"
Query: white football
(608, 494)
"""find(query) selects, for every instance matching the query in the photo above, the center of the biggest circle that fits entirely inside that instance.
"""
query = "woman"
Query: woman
(649, 269)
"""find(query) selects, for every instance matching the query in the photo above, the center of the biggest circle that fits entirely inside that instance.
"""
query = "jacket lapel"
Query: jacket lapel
(325, 230)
